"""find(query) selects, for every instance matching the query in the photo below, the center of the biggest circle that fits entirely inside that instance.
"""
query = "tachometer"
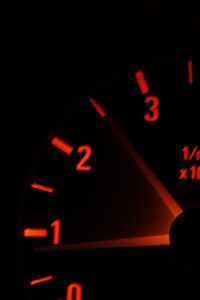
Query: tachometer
(111, 205)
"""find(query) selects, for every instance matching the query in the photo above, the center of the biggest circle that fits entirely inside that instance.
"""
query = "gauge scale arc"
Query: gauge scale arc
(112, 200)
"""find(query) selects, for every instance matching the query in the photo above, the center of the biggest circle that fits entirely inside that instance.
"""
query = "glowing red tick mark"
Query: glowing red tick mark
(141, 80)
(40, 280)
(140, 241)
(98, 108)
(62, 145)
(190, 71)
(42, 187)
(35, 232)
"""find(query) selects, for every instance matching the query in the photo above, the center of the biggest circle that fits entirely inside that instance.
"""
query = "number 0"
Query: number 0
(74, 292)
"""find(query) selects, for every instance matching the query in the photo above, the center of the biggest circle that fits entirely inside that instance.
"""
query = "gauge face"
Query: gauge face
(112, 201)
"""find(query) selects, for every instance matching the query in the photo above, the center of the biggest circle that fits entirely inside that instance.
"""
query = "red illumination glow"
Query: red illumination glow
(41, 280)
(163, 193)
(141, 241)
(42, 187)
(141, 80)
(62, 145)
(190, 71)
(81, 165)
(98, 108)
(35, 232)
(195, 172)
(74, 292)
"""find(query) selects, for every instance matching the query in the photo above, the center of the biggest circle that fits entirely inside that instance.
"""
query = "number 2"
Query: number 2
(153, 116)
(81, 166)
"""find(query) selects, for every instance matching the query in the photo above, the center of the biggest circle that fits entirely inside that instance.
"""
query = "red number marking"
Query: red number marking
(56, 233)
(185, 152)
(74, 292)
(98, 108)
(195, 172)
(153, 109)
(81, 165)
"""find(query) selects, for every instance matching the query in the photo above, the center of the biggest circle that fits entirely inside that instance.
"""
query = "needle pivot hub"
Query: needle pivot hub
(185, 236)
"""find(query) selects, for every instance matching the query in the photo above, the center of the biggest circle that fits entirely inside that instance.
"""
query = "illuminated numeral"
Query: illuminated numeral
(185, 152)
(56, 231)
(153, 116)
(195, 172)
(74, 292)
(81, 166)
(198, 173)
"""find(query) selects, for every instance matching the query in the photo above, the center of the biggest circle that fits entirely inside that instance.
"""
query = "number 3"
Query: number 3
(153, 116)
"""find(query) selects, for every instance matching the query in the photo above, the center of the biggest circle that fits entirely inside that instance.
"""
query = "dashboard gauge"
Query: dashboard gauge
(111, 206)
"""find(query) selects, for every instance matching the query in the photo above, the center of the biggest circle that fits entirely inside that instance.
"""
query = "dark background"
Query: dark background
(54, 56)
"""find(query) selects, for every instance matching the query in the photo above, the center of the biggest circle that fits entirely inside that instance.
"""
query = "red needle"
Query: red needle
(166, 197)
(140, 241)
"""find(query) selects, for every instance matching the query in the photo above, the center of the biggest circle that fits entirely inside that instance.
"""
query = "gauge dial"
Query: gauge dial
(109, 186)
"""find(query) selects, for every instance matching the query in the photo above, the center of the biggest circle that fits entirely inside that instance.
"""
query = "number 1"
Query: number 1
(56, 233)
